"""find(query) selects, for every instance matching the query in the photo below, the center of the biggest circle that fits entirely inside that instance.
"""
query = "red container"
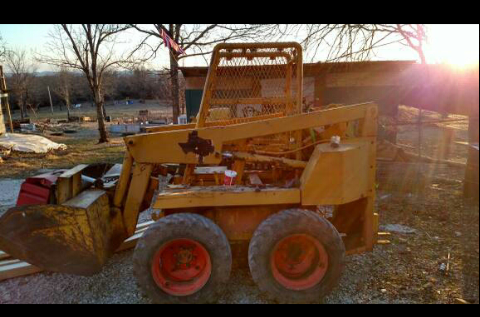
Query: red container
(36, 190)
(230, 177)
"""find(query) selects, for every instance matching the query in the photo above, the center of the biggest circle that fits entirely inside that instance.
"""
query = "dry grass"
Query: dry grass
(79, 151)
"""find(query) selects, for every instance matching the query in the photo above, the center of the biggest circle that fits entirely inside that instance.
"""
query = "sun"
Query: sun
(453, 44)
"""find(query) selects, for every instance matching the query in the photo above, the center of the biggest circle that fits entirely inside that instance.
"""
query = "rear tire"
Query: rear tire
(182, 258)
(296, 256)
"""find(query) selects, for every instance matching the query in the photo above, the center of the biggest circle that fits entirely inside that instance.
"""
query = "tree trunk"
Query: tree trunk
(68, 111)
(100, 117)
(67, 104)
(175, 87)
(103, 110)
(20, 105)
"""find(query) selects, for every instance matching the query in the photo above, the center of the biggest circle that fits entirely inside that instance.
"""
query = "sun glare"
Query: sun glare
(456, 45)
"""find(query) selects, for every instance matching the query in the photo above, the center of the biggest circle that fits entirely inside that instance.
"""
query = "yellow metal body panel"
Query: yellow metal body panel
(163, 147)
(102, 225)
(69, 183)
(240, 222)
(136, 192)
(212, 196)
(335, 176)
(123, 181)
(261, 158)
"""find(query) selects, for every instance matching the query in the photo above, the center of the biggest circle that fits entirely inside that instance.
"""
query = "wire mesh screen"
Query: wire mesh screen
(246, 82)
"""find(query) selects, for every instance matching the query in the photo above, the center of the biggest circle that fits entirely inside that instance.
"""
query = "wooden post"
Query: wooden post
(395, 120)
(420, 136)
(470, 182)
(448, 136)
(3, 90)
(2, 122)
(50, 97)
(420, 107)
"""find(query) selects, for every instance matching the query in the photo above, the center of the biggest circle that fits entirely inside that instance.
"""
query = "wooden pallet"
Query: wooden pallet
(3, 255)
(10, 268)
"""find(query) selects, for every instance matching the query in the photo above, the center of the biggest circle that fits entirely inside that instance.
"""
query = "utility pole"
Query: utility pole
(50, 96)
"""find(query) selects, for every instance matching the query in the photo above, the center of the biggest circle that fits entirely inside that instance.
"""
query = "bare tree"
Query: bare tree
(63, 87)
(3, 48)
(359, 42)
(348, 42)
(110, 85)
(141, 81)
(411, 35)
(22, 70)
(337, 42)
(197, 40)
(92, 49)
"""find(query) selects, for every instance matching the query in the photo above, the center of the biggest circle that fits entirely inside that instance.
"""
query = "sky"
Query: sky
(455, 44)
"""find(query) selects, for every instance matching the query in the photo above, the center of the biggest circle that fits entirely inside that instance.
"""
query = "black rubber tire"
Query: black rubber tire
(183, 225)
(280, 225)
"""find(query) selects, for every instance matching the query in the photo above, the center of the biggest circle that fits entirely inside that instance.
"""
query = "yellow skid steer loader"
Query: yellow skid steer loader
(296, 186)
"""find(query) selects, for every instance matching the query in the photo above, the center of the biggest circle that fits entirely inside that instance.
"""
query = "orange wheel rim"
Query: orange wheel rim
(299, 262)
(181, 267)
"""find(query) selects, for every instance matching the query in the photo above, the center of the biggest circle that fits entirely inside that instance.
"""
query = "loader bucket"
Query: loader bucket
(76, 237)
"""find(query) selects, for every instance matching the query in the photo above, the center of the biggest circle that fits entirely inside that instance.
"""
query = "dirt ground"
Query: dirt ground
(410, 269)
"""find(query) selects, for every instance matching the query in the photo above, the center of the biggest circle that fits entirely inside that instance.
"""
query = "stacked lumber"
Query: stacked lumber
(10, 268)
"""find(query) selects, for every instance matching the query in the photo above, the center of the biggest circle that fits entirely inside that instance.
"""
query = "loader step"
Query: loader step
(199, 196)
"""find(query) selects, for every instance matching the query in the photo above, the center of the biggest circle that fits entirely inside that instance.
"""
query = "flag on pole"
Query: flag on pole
(170, 43)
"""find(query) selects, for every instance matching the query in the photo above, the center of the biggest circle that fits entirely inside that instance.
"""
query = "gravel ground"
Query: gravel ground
(116, 284)
(405, 271)
(9, 189)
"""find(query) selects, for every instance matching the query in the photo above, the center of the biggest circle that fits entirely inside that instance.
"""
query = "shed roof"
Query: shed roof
(310, 69)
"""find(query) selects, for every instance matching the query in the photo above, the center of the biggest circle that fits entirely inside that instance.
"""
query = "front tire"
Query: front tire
(296, 256)
(182, 258)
